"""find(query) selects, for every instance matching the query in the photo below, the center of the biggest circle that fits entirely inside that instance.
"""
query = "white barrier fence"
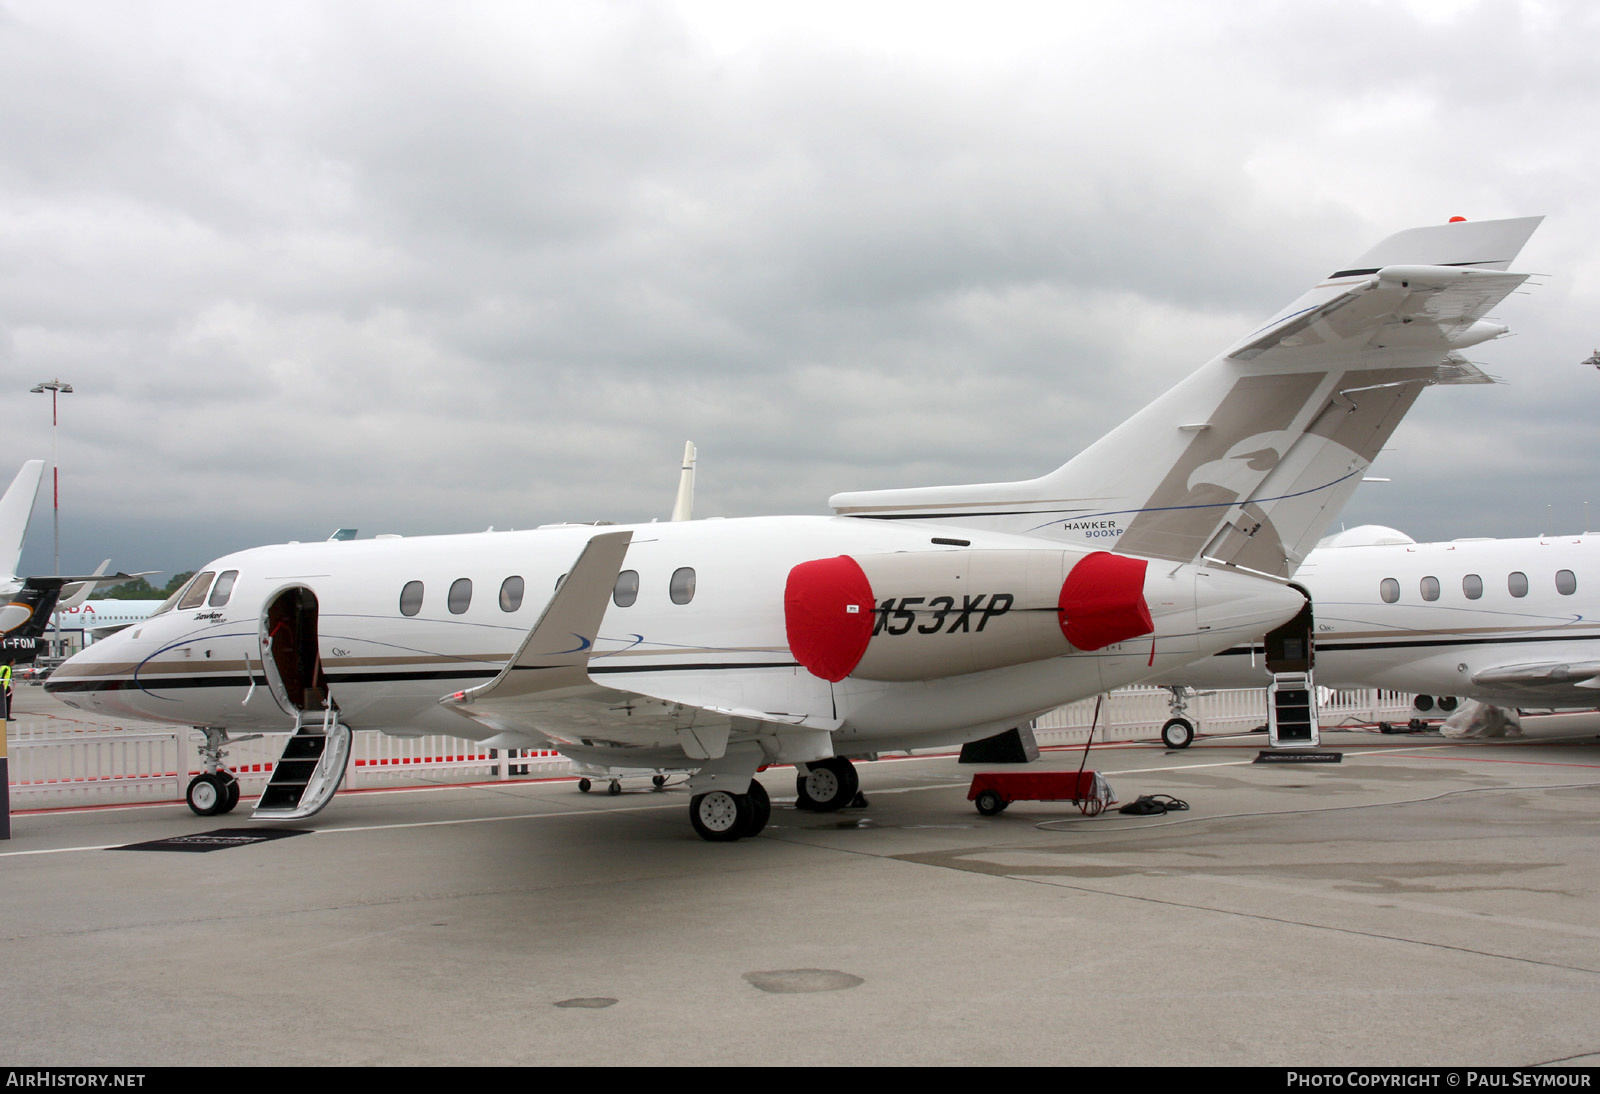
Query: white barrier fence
(1138, 713)
(52, 765)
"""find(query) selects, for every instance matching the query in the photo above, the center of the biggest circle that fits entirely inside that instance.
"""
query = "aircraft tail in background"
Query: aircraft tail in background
(16, 508)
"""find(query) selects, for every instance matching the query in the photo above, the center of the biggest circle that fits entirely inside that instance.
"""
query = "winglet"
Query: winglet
(555, 654)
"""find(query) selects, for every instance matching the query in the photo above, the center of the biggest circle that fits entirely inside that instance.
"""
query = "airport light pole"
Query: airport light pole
(56, 389)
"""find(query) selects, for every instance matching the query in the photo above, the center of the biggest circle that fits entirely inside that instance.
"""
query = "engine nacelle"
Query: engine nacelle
(926, 615)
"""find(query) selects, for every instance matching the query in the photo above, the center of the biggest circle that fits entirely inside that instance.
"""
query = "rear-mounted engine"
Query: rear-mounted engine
(925, 615)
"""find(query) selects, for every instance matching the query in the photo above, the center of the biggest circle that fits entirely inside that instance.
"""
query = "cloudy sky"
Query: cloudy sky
(433, 267)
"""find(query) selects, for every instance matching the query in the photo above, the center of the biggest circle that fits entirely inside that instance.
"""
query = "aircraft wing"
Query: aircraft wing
(544, 695)
(1559, 683)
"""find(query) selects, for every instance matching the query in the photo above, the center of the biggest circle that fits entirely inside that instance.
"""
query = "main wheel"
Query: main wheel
(230, 790)
(658, 781)
(1447, 703)
(990, 803)
(615, 788)
(584, 786)
(720, 816)
(827, 785)
(206, 795)
(1177, 733)
(760, 809)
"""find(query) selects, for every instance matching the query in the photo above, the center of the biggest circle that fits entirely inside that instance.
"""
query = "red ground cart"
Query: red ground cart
(992, 791)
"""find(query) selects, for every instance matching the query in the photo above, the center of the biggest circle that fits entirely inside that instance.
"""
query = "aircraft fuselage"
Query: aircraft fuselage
(725, 647)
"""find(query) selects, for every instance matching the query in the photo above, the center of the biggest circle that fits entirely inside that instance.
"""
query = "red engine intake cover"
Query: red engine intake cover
(1102, 601)
(827, 612)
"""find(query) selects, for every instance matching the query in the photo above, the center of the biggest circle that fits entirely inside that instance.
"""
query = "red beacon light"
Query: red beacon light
(1458, 220)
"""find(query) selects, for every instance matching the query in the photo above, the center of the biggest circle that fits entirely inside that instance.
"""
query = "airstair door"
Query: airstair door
(313, 762)
(1292, 695)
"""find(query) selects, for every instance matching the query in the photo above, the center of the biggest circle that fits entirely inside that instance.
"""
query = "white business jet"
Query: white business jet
(1504, 622)
(909, 618)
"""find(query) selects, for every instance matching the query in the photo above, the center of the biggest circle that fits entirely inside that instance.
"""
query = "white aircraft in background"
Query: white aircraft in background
(910, 618)
(1504, 622)
(97, 619)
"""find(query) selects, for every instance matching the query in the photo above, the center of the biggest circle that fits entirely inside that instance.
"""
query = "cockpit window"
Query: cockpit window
(169, 603)
(223, 588)
(195, 595)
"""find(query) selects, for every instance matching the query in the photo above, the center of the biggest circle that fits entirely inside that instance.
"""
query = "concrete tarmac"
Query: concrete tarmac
(1425, 902)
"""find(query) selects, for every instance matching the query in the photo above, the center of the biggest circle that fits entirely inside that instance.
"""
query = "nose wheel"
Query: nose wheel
(212, 794)
(1177, 733)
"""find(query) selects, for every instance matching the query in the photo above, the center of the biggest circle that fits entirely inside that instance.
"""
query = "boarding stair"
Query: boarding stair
(1292, 711)
(311, 768)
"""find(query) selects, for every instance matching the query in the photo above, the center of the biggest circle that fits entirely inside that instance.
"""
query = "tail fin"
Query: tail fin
(1247, 460)
(16, 507)
(683, 504)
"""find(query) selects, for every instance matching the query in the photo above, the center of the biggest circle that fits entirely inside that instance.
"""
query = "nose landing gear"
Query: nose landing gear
(210, 794)
(214, 791)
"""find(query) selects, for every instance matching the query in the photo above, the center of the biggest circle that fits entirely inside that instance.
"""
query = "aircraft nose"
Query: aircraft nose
(68, 680)
(1249, 606)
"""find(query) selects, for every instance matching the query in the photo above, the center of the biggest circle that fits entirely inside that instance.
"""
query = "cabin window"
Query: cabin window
(1430, 588)
(1566, 582)
(1389, 589)
(459, 598)
(627, 588)
(1517, 582)
(196, 594)
(411, 598)
(511, 594)
(1472, 586)
(223, 588)
(681, 588)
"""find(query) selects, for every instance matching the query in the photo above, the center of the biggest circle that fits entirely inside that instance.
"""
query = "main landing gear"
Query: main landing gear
(827, 785)
(214, 791)
(722, 816)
